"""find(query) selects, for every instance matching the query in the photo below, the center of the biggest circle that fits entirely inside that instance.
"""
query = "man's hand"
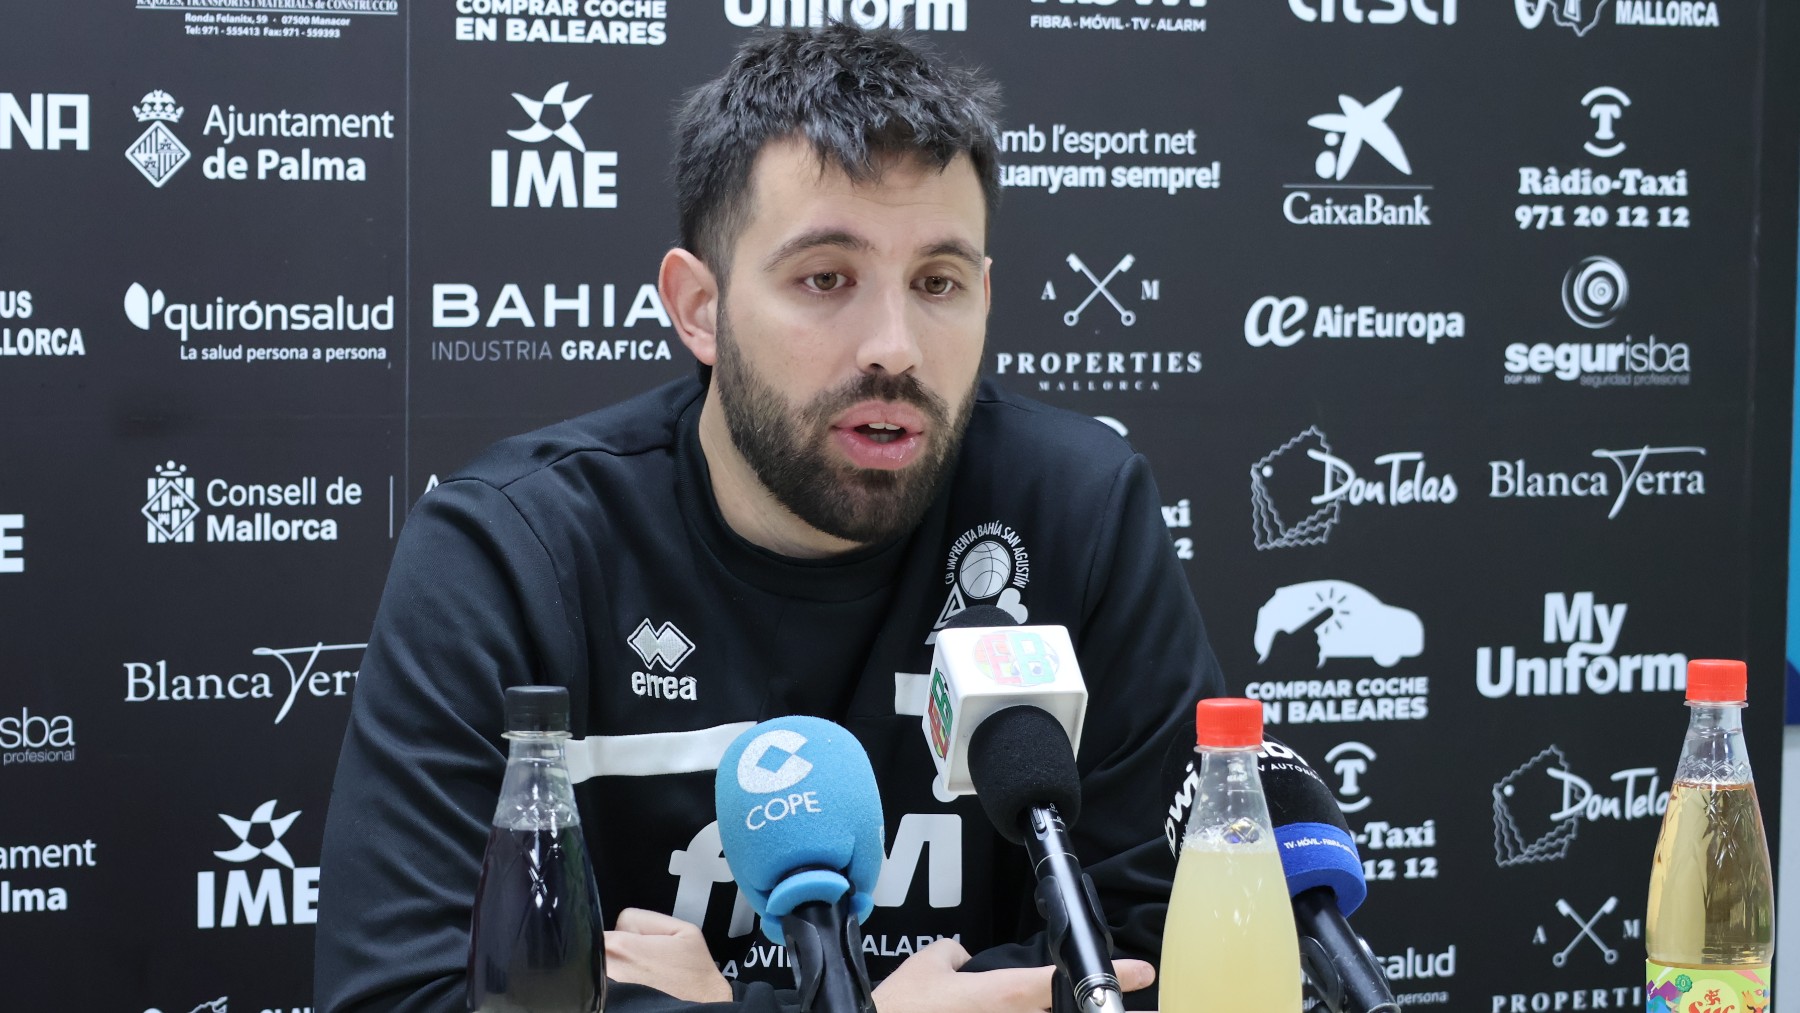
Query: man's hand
(666, 954)
(929, 982)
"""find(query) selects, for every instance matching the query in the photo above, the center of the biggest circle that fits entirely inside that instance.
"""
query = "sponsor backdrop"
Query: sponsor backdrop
(1459, 335)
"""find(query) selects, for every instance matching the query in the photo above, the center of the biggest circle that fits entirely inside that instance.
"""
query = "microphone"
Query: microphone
(801, 827)
(1324, 875)
(1007, 703)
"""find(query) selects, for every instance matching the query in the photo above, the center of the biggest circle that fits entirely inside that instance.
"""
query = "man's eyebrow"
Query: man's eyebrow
(813, 240)
(957, 249)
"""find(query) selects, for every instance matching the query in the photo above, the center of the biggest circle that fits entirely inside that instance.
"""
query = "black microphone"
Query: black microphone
(1024, 774)
(1324, 875)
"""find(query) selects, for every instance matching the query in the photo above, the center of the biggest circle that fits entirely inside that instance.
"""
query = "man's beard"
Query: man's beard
(789, 452)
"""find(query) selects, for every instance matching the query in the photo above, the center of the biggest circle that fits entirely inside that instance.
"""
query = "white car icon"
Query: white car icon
(1360, 625)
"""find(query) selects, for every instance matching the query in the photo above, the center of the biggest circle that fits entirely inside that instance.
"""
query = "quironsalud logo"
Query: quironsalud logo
(157, 153)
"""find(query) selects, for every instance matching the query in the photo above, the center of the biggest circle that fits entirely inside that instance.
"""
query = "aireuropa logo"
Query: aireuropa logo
(926, 15)
(772, 762)
(1286, 511)
(1429, 12)
(44, 122)
(1540, 805)
(1588, 632)
(1347, 621)
(1281, 321)
(271, 897)
(157, 152)
(1357, 127)
(533, 182)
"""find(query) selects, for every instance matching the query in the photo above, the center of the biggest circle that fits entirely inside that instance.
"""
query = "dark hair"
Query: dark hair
(856, 95)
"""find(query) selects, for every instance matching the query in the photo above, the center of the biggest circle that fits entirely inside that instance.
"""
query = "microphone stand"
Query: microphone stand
(825, 945)
(1345, 986)
(1075, 934)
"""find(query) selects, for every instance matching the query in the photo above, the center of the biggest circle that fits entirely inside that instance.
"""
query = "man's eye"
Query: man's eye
(826, 281)
(937, 284)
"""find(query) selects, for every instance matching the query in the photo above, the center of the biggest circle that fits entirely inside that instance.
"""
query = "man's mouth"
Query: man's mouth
(882, 432)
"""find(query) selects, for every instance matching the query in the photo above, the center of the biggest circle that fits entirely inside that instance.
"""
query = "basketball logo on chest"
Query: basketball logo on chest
(987, 565)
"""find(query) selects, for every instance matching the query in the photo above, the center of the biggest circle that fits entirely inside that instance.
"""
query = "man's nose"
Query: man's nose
(888, 343)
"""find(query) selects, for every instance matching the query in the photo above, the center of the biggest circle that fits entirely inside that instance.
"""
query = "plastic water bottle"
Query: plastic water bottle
(1230, 941)
(537, 940)
(1711, 923)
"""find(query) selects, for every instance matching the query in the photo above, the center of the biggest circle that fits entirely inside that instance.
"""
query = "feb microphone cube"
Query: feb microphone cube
(976, 671)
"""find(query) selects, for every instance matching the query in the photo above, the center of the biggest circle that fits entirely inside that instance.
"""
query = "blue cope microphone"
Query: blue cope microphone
(800, 823)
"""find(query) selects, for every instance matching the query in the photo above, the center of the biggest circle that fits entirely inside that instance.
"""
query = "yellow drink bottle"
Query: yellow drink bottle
(1710, 926)
(1230, 941)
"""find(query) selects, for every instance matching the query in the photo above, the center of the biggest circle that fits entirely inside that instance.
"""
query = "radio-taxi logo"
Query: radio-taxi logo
(179, 508)
(1610, 189)
(290, 146)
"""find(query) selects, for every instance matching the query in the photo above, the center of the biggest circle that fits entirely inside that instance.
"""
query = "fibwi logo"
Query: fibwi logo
(278, 899)
(44, 122)
(170, 508)
(157, 152)
(1016, 658)
(986, 565)
(533, 182)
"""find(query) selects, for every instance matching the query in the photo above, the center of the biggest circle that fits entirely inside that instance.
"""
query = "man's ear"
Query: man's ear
(690, 293)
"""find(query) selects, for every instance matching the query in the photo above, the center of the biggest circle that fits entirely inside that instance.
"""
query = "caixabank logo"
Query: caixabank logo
(261, 145)
(261, 884)
(44, 121)
(1364, 176)
(180, 508)
(1582, 16)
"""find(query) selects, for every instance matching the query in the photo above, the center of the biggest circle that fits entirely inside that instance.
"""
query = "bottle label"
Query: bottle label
(1705, 989)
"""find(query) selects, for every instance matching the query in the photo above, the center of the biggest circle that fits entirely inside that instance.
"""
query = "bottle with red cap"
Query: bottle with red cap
(1229, 942)
(1710, 928)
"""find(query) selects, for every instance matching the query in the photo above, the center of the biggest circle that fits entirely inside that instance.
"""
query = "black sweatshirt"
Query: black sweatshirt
(591, 554)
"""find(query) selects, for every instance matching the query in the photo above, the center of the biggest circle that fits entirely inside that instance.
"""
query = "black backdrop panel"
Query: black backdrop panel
(267, 274)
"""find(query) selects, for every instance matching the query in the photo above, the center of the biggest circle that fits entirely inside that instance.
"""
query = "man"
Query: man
(782, 535)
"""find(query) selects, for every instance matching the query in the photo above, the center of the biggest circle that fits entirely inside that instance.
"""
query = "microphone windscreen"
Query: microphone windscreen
(980, 616)
(1020, 757)
(799, 817)
(1317, 848)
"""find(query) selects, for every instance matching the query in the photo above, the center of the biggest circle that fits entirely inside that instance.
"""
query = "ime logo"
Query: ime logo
(536, 183)
(293, 901)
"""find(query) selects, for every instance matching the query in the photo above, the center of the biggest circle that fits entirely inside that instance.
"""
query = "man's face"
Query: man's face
(851, 336)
